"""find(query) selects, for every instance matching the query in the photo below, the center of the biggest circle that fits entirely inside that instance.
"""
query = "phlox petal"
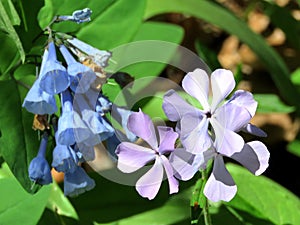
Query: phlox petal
(167, 137)
(244, 99)
(196, 84)
(132, 157)
(220, 185)
(173, 183)
(222, 83)
(148, 185)
(254, 156)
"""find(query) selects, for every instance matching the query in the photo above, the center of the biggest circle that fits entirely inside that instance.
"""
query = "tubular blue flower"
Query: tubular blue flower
(53, 78)
(78, 16)
(132, 157)
(71, 128)
(100, 57)
(81, 76)
(39, 170)
(77, 182)
(64, 159)
(194, 122)
(220, 185)
(37, 101)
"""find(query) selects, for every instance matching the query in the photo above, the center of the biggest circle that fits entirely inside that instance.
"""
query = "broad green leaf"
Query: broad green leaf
(19, 142)
(59, 203)
(270, 103)
(145, 59)
(114, 26)
(264, 198)
(294, 147)
(217, 15)
(17, 206)
(6, 25)
(290, 26)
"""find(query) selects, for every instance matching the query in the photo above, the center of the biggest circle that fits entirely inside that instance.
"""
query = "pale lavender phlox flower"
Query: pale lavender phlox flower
(132, 157)
(71, 128)
(81, 76)
(77, 182)
(53, 77)
(37, 101)
(39, 169)
(100, 57)
(220, 185)
(194, 122)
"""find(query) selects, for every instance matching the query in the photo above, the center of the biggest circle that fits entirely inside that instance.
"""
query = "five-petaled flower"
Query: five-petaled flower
(132, 156)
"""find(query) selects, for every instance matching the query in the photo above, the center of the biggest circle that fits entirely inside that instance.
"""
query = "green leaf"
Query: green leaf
(219, 16)
(11, 12)
(290, 26)
(114, 26)
(270, 103)
(19, 143)
(59, 203)
(17, 206)
(295, 77)
(263, 198)
(145, 59)
(294, 147)
(7, 25)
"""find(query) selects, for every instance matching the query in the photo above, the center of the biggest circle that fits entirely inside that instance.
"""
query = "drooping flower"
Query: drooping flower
(71, 128)
(100, 57)
(39, 169)
(132, 157)
(81, 76)
(77, 182)
(53, 78)
(37, 101)
(194, 123)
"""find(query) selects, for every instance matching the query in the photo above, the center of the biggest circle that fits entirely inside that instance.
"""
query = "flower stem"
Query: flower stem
(207, 217)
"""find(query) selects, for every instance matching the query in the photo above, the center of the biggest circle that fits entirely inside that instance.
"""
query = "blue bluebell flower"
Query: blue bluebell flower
(77, 182)
(37, 101)
(71, 128)
(100, 57)
(54, 77)
(39, 169)
(78, 16)
(87, 151)
(81, 76)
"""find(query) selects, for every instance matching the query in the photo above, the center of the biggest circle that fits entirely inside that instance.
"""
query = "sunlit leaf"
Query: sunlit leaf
(270, 103)
(264, 198)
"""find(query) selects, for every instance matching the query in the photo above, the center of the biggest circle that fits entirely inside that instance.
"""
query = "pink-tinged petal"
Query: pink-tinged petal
(249, 128)
(222, 83)
(167, 137)
(194, 134)
(227, 142)
(244, 99)
(232, 117)
(148, 185)
(220, 185)
(141, 125)
(254, 156)
(185, 164)
(173, 183)
(132, 157)
(196, 84)
(175, 107)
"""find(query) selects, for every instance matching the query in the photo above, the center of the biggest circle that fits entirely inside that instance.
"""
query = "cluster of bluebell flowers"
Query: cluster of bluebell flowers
(82, 123)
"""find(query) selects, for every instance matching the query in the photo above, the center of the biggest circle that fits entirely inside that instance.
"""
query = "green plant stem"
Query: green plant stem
(207, 217)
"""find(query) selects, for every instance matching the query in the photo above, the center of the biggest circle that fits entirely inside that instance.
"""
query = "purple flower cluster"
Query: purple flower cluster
(206, 133)
(82, 123)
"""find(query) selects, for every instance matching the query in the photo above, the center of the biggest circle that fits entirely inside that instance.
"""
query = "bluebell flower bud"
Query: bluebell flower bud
(39, 170)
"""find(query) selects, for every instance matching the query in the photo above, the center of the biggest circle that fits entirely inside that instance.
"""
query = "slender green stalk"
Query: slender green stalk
(207, 217)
